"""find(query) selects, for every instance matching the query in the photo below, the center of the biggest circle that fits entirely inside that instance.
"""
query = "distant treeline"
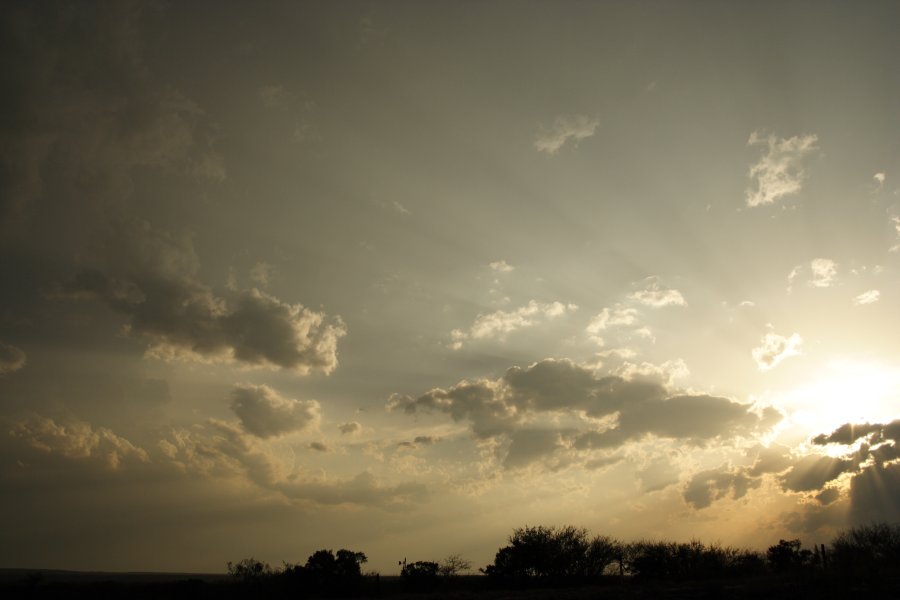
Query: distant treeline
(548, 558)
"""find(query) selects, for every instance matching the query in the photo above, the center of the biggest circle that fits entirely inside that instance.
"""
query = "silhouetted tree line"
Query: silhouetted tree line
(865, 557)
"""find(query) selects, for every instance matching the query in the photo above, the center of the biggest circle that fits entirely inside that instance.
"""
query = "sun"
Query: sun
(843, 391)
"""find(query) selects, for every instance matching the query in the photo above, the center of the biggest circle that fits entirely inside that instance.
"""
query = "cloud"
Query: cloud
(895, 220)
(708, 486)
(775, 348)
(222, 449)
(262, 273)
(565, 128)
(11, 358)
(499, 323)
(616, 316)
(656, 296)
(779, 171)
(87, 110)
(530, 445)
(501, 266)
(870, 465)
(824, 271)
(867, 297)
(77, 440)
(607, 411)
(276, 96)
(879, 177)
(350, 428)
(150, 276)
(265, 413)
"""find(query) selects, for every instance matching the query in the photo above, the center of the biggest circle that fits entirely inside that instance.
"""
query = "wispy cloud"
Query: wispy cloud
(501, 266)
(499, 323)
(822, 273)
(779, 171)
(775, 348)
(11, 358)
(896, 222)
(565, 128)
(657, 296)
(868, 297)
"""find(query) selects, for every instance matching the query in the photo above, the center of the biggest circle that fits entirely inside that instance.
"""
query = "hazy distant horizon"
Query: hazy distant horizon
(400, 277)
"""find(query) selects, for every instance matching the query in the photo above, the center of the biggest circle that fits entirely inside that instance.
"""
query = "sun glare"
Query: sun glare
(843, 392)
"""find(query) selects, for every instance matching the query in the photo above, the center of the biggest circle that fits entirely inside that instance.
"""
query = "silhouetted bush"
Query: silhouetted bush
(249, 570)
(420, 575)
(693, 560)
(553, 553)
(787, 555)
(867, 550)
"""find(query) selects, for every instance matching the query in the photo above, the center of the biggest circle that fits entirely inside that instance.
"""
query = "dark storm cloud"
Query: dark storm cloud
(11, 358)
(640, 406)
(150, 276)
(265, 413)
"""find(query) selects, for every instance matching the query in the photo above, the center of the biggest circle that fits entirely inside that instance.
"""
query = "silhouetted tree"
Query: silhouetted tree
(420, 575)
(555, 553)
(249, 569)
(787, 555)
(867, 550)
(453, 565)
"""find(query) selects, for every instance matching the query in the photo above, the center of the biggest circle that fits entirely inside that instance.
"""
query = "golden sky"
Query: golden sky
(402, 276)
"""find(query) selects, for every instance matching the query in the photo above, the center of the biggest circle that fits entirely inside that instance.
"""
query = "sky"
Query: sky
(400, 277)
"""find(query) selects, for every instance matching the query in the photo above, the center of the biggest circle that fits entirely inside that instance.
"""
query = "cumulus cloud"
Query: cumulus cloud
(499, 323)
(616, 316)
(656, 296)
(775, 348)
(867, 297)
(779, 171)
(501, 266)
(708, 486)
(76, 440)
(265, 413)
(565, 128)
(824, 272)
(879, 177)
(610, 410)
(350, 428)
(222, 449)
(150, 276)
(11, 358)
(870, 464)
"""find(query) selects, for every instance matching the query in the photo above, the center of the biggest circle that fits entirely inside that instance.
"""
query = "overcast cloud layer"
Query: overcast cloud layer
(312, 276)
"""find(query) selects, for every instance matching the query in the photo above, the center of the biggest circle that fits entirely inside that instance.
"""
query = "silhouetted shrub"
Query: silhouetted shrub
(249, 570)
(420, 575)
(867, 550)
(553, 553)
(693, 560)
(453, 565)
(787, 555)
